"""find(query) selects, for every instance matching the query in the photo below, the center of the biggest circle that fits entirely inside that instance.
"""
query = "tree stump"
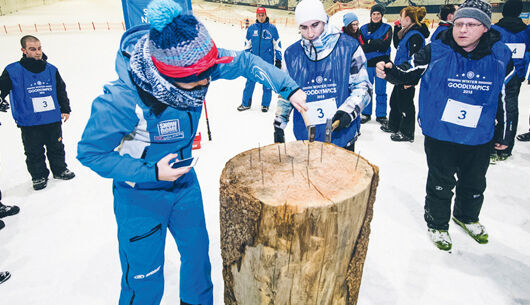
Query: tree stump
(295, 231)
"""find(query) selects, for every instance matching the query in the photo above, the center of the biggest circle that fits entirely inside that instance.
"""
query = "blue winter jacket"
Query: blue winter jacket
(124, 139)
(263, 40)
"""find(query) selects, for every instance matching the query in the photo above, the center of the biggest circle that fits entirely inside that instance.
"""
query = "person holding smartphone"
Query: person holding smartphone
(141, 124)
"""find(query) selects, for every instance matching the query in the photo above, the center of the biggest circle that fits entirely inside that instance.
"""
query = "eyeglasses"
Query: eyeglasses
(355, 23)
(468, 25)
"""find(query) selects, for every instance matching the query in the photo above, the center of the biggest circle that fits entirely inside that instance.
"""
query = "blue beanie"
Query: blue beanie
(180, 45)
(349, 18)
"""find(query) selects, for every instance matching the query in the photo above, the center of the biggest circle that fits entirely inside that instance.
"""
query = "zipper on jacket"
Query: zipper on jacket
(151, 232)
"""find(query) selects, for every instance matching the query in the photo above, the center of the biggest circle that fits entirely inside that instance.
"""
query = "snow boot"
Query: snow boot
(4, 276)
(382, 120)
(6, 210)
(475, 230)
(243, 108)
(441, 239)
(264, 108)
(65, 175)
(524, 137)
(386, 128)
(40, 183)
(400, 137)
(365, 118)
(2, 225)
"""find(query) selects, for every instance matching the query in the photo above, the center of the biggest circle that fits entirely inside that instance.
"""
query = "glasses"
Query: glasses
(467, 25)
(355, 23)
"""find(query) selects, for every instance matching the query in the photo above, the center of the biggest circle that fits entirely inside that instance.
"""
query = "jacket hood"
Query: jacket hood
(127, 43)
(512, 24)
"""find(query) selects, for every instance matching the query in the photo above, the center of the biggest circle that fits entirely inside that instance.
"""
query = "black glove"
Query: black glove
(279, 136)
(278, 64)
(4, 106)
(343, 118)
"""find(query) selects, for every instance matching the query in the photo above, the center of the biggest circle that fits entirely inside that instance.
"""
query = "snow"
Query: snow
(62, 247)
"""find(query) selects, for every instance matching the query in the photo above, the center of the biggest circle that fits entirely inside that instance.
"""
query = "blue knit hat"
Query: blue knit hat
(180, 46)
(349, 18)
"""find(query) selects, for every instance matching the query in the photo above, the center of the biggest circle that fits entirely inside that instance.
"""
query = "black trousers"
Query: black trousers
(402, 112)
(469, 164)
(35, 138)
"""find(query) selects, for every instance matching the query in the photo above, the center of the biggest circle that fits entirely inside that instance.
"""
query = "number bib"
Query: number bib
(320, 111)
(41, 104)
(517, 49)
(461, 113)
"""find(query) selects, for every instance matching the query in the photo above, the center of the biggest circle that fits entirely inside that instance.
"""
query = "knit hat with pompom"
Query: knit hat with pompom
(180, 46)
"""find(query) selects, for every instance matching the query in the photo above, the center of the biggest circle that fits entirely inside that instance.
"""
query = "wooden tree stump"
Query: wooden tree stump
(287, 238)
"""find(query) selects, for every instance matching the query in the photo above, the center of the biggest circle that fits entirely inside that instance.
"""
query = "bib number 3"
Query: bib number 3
(320, 111)
(462, 114)
(42, 104)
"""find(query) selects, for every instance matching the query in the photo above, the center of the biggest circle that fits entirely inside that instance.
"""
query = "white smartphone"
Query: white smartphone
(189, 162)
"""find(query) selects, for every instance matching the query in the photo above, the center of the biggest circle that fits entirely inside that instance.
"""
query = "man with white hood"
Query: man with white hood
(330, 67)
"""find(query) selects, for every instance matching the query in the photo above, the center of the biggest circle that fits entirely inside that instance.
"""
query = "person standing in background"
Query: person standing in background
(351, 25)
(39, 105)
(376, 37)
(515, 34)
(262, 40)
(409, 38)
(446, 15)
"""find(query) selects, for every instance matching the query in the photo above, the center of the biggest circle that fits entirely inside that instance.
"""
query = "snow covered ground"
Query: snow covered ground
(62, 247)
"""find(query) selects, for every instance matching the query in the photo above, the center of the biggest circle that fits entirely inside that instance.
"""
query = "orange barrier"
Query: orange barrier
(61, 27)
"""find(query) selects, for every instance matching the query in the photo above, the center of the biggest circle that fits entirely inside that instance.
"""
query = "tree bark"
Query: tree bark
(295, 221)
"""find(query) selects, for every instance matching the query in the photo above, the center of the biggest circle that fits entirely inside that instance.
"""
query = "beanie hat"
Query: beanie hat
(512, 8)
(476, 9)
(349, 18)
(179, 44)
(378, 8)
(261, 10)
(308, 10)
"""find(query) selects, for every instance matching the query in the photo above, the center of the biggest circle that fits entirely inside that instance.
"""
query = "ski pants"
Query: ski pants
(35, 138)
(380, 95)
(402, 111)
(143, 218)
(470, 164)
(249, 90)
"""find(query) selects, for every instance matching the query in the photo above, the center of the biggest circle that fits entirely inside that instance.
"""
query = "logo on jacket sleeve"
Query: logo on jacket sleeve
(169, 130)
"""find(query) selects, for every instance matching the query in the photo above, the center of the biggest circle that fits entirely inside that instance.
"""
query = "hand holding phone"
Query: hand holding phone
(188, 162)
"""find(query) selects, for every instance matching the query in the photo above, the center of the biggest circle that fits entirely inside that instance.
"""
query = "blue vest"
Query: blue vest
(323, 80)
(459, 96)
(34, 95)
(519, 44)
(381, 31)
(439, 29)
(402, 52)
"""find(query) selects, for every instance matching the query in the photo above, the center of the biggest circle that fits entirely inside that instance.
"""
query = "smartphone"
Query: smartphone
(189, 162)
